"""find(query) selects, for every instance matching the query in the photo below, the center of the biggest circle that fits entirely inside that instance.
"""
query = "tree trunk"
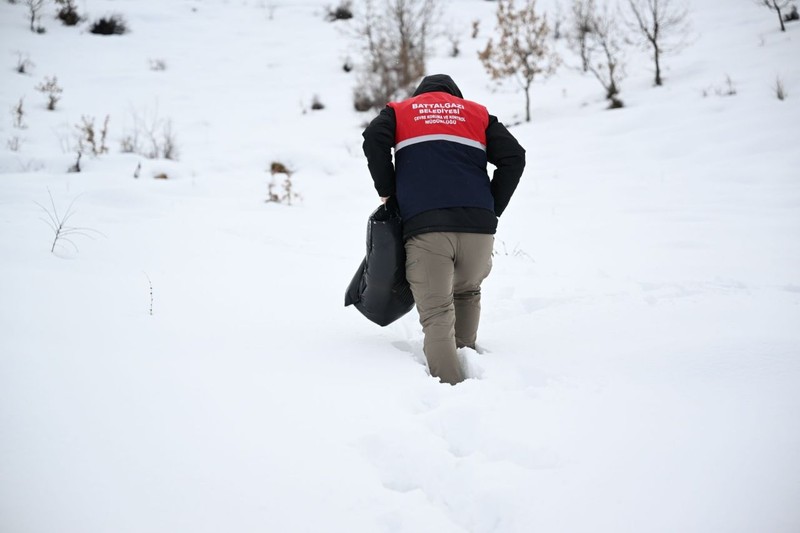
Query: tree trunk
(780, 17)
(611, 91)
(657, 54)
(528, 103)
(584, 54)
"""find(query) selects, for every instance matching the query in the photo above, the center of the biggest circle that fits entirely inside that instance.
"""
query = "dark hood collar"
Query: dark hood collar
(438, 83)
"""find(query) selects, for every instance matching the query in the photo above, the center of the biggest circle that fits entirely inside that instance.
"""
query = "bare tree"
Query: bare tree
(663, 26)
(521, 51)
(394, 36)
(778, 6)
(605, 41)
(580, 26)
(34, 6)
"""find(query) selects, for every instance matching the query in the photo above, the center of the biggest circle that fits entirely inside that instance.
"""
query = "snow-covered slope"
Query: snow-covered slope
(188, 365)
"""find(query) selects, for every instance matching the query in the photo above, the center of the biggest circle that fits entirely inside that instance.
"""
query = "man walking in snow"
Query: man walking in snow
(448, 204)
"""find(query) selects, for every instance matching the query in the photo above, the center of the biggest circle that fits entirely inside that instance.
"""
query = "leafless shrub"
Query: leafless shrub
(521, 51)
(728, 89)
(344, 11)
(50, 88)
(517, 252)
(130, 143)
(76, 167)
(18, 115)
(316, 103)
(63, 232)
(158, 65)
(14, 143)
(31, 165)
(24, 64)
(67, 13)
(455, 41)
(285, 193)
(111, 25)
(89, 139)
(169, 146)
(780, 90)
(362, 101)
(151, 137)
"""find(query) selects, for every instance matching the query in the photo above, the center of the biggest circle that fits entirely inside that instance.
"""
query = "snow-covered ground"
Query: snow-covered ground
(640, 369)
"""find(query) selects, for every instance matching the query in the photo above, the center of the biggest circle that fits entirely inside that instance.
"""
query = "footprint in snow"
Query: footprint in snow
(414, 347)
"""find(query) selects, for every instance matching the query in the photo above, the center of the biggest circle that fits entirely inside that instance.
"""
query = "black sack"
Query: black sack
(379, 289)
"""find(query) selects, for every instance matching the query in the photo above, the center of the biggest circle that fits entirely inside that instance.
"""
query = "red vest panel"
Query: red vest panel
(440, 116)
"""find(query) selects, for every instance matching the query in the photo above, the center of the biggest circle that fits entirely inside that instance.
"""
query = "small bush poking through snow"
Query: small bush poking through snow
(780, 90)
(728, 90)
(455, 41)
(343, 12)
(112, 25)
(14, 143)
(279, 168)
(18, 114)
(68, 14)
(88, 138)
(158, 65)
(59, 224)
(50, 88)
(76, 167)
(24, 64)
(273, 195)
(151, 137)
(361, 101)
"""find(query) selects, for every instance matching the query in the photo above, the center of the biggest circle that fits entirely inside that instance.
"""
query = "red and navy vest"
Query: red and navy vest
(440, 154)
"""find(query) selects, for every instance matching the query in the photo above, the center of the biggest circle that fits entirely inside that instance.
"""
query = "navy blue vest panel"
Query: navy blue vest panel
(441, 174)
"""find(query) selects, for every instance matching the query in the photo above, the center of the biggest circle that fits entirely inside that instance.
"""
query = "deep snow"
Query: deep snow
(641, 351)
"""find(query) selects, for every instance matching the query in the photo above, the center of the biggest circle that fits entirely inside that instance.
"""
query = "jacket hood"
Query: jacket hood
(438, 83)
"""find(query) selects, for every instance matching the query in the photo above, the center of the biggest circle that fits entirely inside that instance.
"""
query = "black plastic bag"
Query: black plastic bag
(379, 289)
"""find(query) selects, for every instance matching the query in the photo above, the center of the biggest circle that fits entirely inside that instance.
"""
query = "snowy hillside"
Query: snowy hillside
(186, 364)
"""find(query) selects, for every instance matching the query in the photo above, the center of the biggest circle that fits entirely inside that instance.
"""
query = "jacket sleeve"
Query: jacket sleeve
(378, 144)
(505, 153)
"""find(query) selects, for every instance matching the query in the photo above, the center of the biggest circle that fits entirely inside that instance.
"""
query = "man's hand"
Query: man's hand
(384, 199)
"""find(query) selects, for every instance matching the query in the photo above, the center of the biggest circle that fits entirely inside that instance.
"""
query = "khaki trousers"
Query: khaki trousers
(445, 271)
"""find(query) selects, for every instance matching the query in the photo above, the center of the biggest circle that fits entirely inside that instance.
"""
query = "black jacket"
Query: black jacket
(502, 150)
